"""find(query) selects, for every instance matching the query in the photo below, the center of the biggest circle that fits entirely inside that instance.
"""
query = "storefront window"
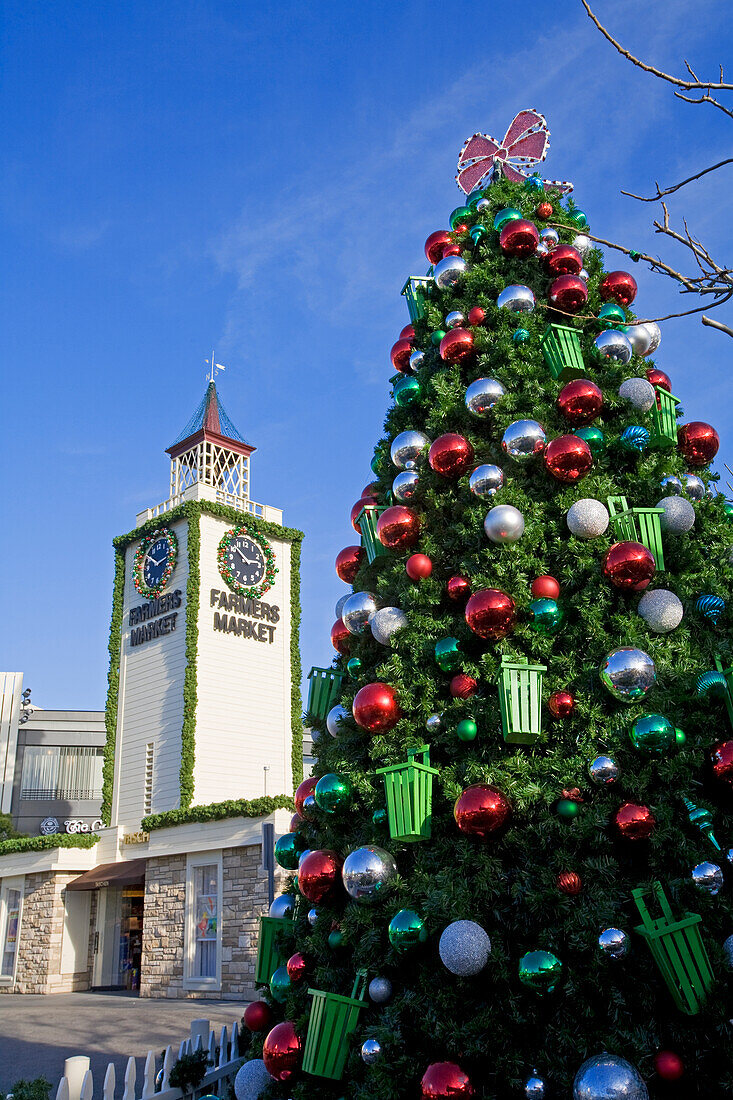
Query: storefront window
(203, 926)
(12, 896)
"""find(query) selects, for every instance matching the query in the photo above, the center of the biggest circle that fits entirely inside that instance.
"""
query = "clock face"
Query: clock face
(155, 562)
(246, 561)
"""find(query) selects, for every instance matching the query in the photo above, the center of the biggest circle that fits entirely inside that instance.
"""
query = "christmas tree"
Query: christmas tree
(510, 876)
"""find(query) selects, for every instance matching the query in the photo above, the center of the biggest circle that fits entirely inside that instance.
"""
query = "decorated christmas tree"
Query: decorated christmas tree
(509, 869)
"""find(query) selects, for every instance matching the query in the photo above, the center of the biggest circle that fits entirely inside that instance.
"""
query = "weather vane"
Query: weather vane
(482, 159)
(213, 367)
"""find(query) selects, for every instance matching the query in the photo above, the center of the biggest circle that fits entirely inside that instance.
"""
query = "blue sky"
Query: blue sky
(261, 178)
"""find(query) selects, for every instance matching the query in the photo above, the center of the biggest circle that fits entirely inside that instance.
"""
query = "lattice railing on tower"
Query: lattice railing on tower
(225, 469)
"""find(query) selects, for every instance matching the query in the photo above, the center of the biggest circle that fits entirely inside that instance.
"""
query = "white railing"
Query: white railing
(224, 1061)
(240, 504)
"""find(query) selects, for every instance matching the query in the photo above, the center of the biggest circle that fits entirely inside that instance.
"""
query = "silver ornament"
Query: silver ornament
(340, 605)
(587, 518)
(603, 770)
(448, 271)
(655, 336)
(464, 948)
(638, 392)
(534, 1087)
(433, 723)
(367, 872)
(582, 243)
(371, 1051)
(251, 1081)
(640, 338)
(707, 876)
(613, 942)
(407, 447)
(482, 204)
(550, 237)
(628, 673)
(661, 610)
(614, 345)
(312, 917)
(417, 358)
(282, 906)
(486, 480)
(541, 250)
(523, 438)
(516, 298)
(335, 715)
(584, 275)
(672, 485)
(405, 484)
(482, 395)
(728, 952)
(386, 622)
(693, 486)
(306, 851)
(454, 319)
(504, 523)
(679, 515)
(608, 1077)
(358, 611)
(380, 990)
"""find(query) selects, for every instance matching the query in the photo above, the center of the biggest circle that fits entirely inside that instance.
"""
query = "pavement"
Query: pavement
(38, 1032)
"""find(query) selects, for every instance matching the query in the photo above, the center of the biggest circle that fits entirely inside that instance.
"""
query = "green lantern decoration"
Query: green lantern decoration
(406, 390)
(407, 931)
(540, 970)
(677, 949)
(594, 437)
(409, 791)
(655, 734)
(332, 793)
(280, 984)
(333, 1020)
(467, 730)
(288, 849)
(448, 654)
(546, 616)
(562, 352)
(269, 955)
(520, 700)
(324, 689)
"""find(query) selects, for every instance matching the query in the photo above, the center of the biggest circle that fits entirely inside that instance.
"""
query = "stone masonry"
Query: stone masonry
(161, 968)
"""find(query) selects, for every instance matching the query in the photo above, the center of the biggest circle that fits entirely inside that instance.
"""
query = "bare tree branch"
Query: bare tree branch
(670, 190)
(706, 99)
(711, 323)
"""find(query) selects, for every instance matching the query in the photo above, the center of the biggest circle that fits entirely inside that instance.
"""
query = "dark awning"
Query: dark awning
(110, 874)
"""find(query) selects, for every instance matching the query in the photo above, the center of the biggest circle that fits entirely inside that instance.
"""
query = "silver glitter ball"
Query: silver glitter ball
(433, 723)
(312, 917)
(417, 358)
(628, 673)
(608, 1077)
(728, 952)
(252, 1079)
(672, 485)
(380, 990)
(523, 439)
(407, 447)
(486, 480)
(358, 611)
(449, 271)
(516, 298)
(655, 336)
(693, 486)
(582, 243)
(482, 395)
(405, 485)
(464, 948)
(504, 523)
(282, 906)
(679, 515)
(386, 622)
(640, 338)
(334, 717)
(587, 518)
(614, 345)
(707, 876)
(534, 1087)
(371, 1051)
(340, 605)
(454, 319)
(638, 392)
(603, 770)
(367, 872)
(550, 237)
(661, 610)
(614, 942)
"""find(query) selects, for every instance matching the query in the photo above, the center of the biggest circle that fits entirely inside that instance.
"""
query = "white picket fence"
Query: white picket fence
(224, 1061)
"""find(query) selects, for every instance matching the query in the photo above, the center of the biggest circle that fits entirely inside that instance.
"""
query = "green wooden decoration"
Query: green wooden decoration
(561, 348)
(664, 415)
(367, 520)
(409, 791)
(269, 955)
(324, 689)
(638, 525)
(415, 291)
(677, 949)
(520, 700)
(332, 1022)
(728, 676)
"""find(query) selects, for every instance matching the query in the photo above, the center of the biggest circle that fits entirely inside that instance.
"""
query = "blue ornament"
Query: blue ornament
(711, 685)
(712, 607)
(634, 438)
(534, 183)
(521, 336)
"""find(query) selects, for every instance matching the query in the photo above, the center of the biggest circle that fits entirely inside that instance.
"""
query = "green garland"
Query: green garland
(41, 843)
(217, 811)
(296, 701)
(113, 685)
(255, 591)
(141, 553)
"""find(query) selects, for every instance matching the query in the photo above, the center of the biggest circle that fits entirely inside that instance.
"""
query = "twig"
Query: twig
(706, 99)
(670, 190)
(711, 323)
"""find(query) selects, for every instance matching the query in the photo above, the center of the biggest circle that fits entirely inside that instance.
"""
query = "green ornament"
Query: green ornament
(458, 216)
(406, 390)
(702, 819)
(567, 808)
(508, 214)
(436, 337)
(594, 438)
(652, 733)
(611, 314)
(467, 730)
(711, 685)
(375, 463)
(407, 930)
(335, 939)
(287, 850)
(332, 793)
(353, 666)
(728, 511)
(474, 199)
(680, 736)
(379, 817)
(546, 616)
(478, 232)
(280, 984)
(448, 654)
(534, 183)
(521, 336)
(540, 970)
(579, 219)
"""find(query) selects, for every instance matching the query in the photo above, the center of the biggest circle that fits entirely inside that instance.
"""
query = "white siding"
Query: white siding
(11, 686)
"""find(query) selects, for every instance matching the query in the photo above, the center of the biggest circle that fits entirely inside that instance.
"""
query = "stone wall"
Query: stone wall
(161, 969)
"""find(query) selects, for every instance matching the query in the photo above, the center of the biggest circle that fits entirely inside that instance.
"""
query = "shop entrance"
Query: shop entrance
(118, 938)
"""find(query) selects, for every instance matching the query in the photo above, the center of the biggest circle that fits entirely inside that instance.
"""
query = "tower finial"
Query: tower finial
(213, 367)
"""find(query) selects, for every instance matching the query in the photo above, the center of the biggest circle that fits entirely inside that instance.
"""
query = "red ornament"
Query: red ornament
(668, 1065)
(481, 809)
(408, 333)
(561, 704)
(580, 401)
(398, 527)
(476, 315)
(568, 458)
(295, 822)
(564, 260)
(721, 757)
(375, 707)
(492, 614)
(450, 455)
(462, 228)
(457, 346)
(308, 786)
(444, 1081)
(318, 873)
(371, 490)
(619, 286)
(257, 1016)
(545, 588)
(519, 238)
(698, 442)
(348, 561)
(341, 638)
(458, 589)
(568, 293)
(659, 378)
(568, 882)
(418, 567)
(366, 501)
(463, 686)
(544, 211)
(282, 1051)
(629, 566)
(435, 244)
(452, 249)
(400, 355)
(634, 822)
(295, 967)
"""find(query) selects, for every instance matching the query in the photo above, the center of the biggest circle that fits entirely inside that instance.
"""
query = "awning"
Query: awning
(110, 874)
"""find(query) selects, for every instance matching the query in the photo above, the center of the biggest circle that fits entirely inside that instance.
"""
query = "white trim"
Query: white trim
(16, 883)
(190, 981)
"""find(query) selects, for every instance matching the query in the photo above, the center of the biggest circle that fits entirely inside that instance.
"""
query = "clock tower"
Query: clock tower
(204, 683)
